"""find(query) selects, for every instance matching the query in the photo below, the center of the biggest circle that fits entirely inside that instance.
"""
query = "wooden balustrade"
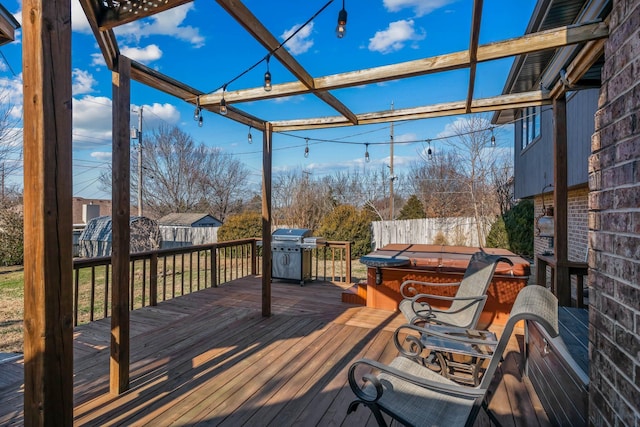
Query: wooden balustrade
(169, 273)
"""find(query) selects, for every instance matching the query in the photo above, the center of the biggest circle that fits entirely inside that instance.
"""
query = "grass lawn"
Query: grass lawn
(11, 309)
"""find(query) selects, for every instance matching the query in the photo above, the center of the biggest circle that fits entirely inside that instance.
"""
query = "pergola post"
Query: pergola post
(562, 279)
(121, 206)
(267, 147)
(48, 283)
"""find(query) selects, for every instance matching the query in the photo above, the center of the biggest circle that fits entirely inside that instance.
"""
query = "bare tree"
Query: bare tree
(440, 186)
(476, 158)
(223, 184)
(10, 146)
(180, 176)
(301, 201)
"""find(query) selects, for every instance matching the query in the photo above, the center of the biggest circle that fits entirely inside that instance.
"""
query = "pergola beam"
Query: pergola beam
(106, 38)
(501, 102)
(48, 255)
(473, 50)
(549, 39)
(253, 26)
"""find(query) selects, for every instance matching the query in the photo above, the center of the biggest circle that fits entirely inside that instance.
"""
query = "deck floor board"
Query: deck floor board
(210, 358)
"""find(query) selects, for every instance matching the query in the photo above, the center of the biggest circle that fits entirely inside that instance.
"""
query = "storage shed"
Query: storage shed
(95, 239)
(187, 229)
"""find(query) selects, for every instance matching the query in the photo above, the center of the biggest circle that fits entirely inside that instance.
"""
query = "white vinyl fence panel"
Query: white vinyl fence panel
(453, 231)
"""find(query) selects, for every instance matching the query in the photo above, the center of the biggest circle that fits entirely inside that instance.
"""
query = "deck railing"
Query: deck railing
(169, 273)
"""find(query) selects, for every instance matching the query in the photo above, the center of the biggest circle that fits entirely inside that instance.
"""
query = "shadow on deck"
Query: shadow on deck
(211, 358)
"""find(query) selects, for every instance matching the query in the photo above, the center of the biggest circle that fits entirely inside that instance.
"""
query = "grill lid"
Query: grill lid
(291, 234)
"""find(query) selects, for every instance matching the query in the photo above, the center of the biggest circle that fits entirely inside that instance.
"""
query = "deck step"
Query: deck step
(357, 294)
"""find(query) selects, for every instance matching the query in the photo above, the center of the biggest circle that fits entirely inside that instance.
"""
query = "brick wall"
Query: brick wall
(614, 228)
(577, 220)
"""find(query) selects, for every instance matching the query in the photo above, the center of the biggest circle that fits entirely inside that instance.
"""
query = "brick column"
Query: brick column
(614, 228)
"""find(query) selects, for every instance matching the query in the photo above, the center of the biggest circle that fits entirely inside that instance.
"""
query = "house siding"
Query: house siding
(534, 165)
(614, 228)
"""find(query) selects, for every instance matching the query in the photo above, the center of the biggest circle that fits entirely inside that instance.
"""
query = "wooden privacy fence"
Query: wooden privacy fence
(169, 273)
(461, 231)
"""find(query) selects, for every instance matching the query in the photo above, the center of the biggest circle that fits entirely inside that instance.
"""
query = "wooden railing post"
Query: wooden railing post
(254, 257)
(153, 279)
(348, 261)
(214, 267)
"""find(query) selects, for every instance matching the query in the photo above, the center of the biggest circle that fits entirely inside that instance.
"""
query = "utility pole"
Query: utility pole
(140, 161)
(392, 177)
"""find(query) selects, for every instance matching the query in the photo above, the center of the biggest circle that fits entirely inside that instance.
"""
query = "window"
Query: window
(530, 125)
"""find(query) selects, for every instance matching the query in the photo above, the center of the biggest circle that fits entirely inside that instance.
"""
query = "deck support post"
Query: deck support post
(562, 279)
(120, 217)
(48, 268)
(267, 146)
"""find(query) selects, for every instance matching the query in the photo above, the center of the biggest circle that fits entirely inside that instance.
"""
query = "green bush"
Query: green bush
(498, 237)
(346, 223)
(413, 209)
(241, 226)
(11, 237)
(514, 231)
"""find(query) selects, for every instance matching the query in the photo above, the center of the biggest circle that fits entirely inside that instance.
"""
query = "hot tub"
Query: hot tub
(442, 264)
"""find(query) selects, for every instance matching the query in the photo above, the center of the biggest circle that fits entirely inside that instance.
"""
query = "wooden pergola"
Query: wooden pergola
(47, 156)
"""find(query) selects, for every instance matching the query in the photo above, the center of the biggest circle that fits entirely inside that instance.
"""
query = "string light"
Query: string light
(223, 103)
(249, 137)
(196, 113)
(306, 148)
(493, 138)
(341, 29)
(267, 76)
(200, 121)
(366, 153)
(429, 151)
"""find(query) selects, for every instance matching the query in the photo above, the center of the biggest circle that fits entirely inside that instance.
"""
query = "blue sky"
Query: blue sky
(199, 44)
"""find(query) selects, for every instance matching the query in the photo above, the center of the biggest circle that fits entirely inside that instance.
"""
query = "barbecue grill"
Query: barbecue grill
(291, 253)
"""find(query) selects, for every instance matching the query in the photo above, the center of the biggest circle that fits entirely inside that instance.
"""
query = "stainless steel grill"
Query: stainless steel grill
(291, 253)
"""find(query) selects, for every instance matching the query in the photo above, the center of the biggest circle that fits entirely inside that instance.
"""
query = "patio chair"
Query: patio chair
(416, 396)
(466, 306)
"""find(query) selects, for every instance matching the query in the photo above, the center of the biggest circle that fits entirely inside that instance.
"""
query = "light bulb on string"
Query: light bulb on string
(306, 148)
(223, 102)
(429, 151)
(196, 113)
(367, 159)
(341, 28)
(493, 138)
(249, 137)
(267, 76)
(200, 121)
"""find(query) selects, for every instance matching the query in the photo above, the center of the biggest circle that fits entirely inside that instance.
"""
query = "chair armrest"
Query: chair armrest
(425, 312)
(444, 338)
(418, 381)
(406, 287)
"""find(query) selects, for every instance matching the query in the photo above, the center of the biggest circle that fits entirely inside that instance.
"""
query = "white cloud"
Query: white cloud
(79, 21)
(301, 42)
(157, 114)
(167, 23)
(145, 55)
(91, 121)
(97, 60)
(463, 125)
(83, 82)
(420, 7)
(11, 95)
(405, 137)
(101, 155)
(394, 37)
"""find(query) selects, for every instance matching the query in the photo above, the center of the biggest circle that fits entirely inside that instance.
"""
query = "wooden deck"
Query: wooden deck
(211, 358)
